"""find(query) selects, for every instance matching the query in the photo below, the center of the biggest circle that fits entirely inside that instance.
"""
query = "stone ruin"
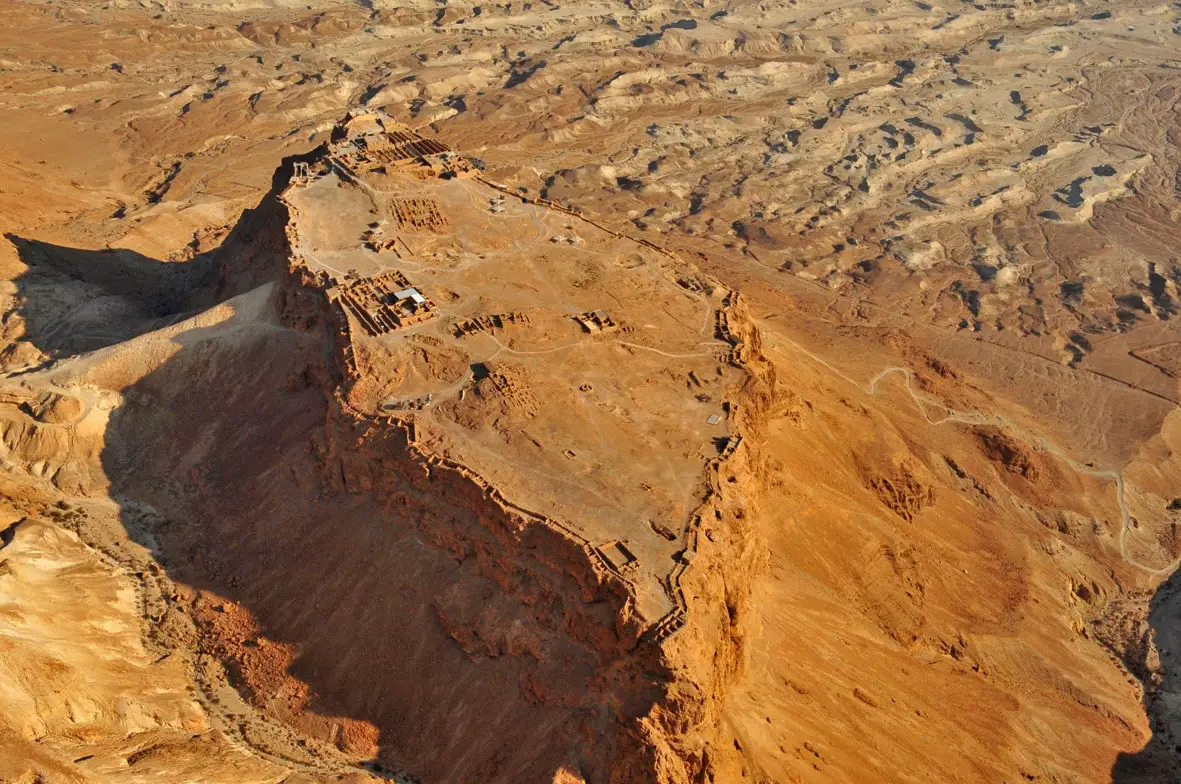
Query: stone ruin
(596, 321)
(374, 143)
(420, 215)
(619, 556)
(384, 303)
(489, 323)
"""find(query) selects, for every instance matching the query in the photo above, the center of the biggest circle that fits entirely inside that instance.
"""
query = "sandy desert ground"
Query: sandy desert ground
(947, 552)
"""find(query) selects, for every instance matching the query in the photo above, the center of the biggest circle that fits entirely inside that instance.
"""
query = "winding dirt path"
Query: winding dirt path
(925, 403)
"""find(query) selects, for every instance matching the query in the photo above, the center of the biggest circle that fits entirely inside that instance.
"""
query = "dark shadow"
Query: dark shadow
(232, 464)
(74, 300)
(1159, 762)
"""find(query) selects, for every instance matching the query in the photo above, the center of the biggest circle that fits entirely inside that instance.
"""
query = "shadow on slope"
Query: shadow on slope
(74, 300)
(222, 442)
(1159, 762)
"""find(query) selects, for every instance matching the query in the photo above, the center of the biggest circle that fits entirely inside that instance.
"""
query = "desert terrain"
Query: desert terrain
(592, 392)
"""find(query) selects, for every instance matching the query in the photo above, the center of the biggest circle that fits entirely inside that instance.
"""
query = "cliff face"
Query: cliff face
(536, 596)
(542, 629)
(709, 654)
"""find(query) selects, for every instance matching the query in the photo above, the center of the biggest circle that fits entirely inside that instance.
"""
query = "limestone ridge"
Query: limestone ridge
(652, 701)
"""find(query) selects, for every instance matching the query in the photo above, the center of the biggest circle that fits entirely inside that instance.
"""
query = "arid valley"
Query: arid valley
(596, 392)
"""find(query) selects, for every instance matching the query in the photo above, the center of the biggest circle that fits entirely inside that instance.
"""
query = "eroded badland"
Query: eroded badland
(616, 392)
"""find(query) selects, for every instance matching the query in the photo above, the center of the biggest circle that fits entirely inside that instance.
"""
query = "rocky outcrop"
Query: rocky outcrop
(387, 602)
(566, 620)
